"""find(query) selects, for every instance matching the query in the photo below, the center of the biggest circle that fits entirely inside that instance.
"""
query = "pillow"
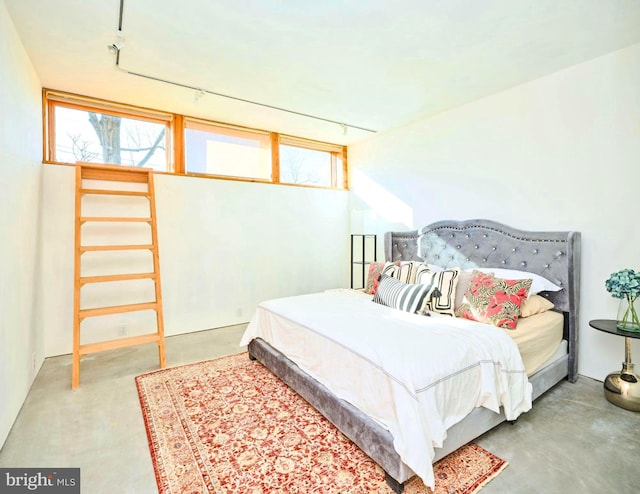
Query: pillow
(406, 271)
(539, 283)
(461, 289)
(494, 300)
(443, 283)
(399, 295)
(375, 270)
(535, 304)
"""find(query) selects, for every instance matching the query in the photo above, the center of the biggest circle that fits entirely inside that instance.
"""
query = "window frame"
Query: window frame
(53, 99)
(176, 125)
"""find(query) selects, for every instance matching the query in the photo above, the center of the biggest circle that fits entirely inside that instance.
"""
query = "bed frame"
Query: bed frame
(470, 243)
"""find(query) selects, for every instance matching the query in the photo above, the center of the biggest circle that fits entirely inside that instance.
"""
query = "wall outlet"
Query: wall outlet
(239, 312)
(123, 328)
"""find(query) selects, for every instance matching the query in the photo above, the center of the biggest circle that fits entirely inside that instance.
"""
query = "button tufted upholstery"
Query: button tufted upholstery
(485, 243)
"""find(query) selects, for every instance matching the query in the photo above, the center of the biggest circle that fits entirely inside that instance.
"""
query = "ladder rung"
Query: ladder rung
(87, 248)
(117, 309)
(116, 219)
(115, 173)
(112, 192)
(119, 343)
(117, 277)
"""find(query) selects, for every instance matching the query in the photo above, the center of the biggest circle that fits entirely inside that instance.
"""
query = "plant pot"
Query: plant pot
(628, 314)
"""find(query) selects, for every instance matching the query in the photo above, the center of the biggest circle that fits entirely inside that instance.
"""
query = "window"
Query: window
(83, 129)
(311, 163)
(225, 150)
(304, 166)
(79, 132)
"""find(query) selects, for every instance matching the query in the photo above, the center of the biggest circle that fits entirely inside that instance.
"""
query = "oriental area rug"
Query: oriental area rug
(230, 426)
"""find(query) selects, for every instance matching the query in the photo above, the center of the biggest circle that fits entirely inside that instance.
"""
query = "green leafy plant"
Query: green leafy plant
(625, 284)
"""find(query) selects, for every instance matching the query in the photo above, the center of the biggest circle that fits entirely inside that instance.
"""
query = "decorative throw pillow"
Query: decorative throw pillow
(406, 271)
(535, 304)
(399, 295)
(494, 300)
(375, 270)
(443, 289)
(538, 283)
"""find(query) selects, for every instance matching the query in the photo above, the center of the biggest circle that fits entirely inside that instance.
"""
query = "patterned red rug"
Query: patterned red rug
(230, 426)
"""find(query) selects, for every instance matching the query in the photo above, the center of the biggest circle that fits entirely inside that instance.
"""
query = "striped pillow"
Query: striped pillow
(399, 295)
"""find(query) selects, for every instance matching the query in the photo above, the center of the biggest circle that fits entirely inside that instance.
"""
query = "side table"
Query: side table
(621, 388)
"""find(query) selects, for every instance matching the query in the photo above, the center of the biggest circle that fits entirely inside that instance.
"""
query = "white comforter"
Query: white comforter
(416, 375)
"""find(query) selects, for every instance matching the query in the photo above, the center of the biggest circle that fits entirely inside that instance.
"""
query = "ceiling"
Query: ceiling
(374, 64)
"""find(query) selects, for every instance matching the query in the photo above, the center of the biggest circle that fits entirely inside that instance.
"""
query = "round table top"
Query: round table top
(609, 326)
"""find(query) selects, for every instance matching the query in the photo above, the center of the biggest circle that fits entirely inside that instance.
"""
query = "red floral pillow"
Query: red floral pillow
(373, 276)
(493, 300)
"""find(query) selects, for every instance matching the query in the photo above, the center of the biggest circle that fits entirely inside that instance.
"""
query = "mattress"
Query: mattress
(538, 338)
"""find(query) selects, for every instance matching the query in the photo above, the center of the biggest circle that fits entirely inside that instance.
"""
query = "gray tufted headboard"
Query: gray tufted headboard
(485, 243)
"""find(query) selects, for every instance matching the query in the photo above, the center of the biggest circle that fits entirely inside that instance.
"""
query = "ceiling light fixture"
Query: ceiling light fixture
(198, 96)
(116, 46)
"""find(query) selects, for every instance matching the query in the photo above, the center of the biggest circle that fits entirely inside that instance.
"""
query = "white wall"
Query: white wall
(560, 153)
(21, 347)
(224, 247)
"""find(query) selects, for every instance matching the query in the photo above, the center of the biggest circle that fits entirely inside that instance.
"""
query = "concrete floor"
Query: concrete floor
(573, 441)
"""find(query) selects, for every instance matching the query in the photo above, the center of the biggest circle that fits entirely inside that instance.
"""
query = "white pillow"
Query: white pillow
(539, 284)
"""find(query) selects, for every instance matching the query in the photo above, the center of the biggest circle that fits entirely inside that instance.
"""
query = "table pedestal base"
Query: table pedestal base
(623, 388)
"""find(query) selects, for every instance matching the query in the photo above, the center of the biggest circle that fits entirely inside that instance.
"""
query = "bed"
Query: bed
(468, 245)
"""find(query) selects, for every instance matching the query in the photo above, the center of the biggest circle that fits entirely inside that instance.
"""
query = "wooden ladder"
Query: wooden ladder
(99, 174)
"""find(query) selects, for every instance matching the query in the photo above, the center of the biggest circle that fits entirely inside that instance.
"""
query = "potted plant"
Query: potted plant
(625, 285)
